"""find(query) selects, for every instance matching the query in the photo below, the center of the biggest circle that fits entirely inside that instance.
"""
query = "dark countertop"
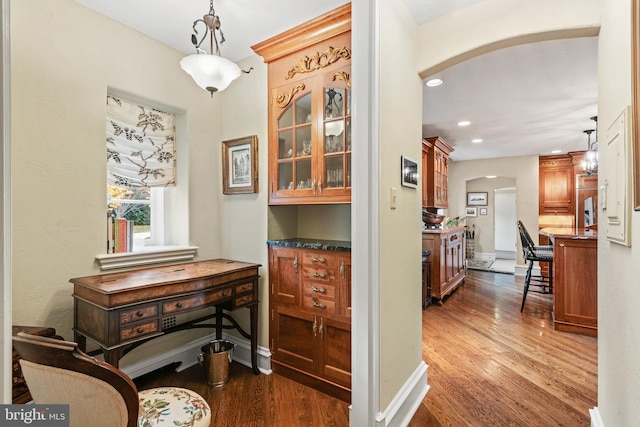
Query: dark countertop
(443, 230)
(569, 233)
(327, 245)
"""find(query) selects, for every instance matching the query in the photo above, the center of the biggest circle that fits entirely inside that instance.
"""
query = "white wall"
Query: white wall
(618, 291)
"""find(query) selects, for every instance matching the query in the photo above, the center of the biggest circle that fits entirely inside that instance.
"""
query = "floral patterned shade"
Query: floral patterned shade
(140, 145)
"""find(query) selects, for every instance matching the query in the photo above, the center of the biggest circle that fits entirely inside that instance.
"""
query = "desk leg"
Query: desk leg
(81, 340)
(218, 323)
(112, 357)
(253, 310)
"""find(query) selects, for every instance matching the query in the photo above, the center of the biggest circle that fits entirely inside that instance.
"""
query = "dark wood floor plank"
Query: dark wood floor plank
(489, 365)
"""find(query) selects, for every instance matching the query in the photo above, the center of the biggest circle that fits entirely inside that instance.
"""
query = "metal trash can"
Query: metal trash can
(215, 357)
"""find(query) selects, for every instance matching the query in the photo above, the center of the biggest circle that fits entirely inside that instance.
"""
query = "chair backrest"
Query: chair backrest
(57, 372)
(527, 242)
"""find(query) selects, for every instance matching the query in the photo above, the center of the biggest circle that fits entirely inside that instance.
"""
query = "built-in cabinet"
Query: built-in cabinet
(310, 313)
(447, 259)
(435, 172)
(310, 111)
(556, 185)
(575, 282)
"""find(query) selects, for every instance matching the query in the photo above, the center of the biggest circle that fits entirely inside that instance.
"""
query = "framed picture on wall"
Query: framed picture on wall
(483, 211)
(409, 172)
(478, 199)
(471, 212)
(240, 165)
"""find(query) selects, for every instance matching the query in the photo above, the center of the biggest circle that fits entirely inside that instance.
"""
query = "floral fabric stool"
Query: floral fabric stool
(173, 406)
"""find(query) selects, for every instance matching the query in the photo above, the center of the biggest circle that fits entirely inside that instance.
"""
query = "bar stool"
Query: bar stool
(531, 253)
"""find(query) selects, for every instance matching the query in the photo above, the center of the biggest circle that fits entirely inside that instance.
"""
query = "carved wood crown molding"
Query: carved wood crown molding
(283, 99)
(342, 75)
(319, 60)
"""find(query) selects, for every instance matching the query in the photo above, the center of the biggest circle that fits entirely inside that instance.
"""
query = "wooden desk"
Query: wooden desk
(120, 311)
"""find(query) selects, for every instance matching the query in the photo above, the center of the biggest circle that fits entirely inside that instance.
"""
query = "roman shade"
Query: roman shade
(140, 145)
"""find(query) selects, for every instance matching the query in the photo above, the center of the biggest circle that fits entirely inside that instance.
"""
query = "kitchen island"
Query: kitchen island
(575, 279)
(447, 249)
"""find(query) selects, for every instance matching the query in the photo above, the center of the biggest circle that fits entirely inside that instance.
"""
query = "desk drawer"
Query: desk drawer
(193, 302)
(245, 287)
(139, 313)
(139, 330)
(243, 300)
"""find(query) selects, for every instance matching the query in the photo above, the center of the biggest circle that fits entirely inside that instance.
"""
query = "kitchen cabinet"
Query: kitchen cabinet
(309, 81)
(556, 185)
(575, 283)
(447, 260)
(310, 316)
(435, 172)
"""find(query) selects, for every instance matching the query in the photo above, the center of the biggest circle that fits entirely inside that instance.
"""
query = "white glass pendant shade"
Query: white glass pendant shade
(211, 72)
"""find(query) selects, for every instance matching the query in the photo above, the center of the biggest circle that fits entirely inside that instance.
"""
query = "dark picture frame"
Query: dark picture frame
(409, 172)
(635, 103)
(240, 165)
(477, 199)
(471, 212)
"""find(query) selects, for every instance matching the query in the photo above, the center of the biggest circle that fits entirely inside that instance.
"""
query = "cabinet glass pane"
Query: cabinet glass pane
(303, 141)
(286, 119)
(285, 176)
(303, 109)
(303, 174)
(333, 102)
(348, 170)
(334, 172)
(347, 133)
(285, 144)
(348, 102)
(334, 136)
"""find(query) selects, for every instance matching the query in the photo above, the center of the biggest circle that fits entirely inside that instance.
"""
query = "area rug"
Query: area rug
(479, 264)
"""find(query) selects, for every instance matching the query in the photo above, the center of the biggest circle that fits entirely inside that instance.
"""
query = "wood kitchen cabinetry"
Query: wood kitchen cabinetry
(575, 283)
(556, 185)
(435, 172)
(310, 312)
(447, 259)
(309, 70)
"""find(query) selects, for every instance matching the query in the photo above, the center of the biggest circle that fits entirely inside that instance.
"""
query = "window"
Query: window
(140, 159)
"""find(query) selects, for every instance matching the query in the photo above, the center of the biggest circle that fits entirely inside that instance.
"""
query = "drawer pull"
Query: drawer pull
(320, 275)
(179, 305)
(244, 299)
(321, 290)
(321, 259)
(140, 330)
(244, 287)
(315, 326)
(321, 328)
(320, 305)
(139, 313)
(224, 293)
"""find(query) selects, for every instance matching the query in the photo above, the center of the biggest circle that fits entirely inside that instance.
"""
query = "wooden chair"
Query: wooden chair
(531, 253)
(98, 394)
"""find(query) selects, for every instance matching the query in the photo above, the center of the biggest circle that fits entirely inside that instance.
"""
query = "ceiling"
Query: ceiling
(525, 100)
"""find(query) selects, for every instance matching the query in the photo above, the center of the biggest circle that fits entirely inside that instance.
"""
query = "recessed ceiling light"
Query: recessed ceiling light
(491, 176)
(464, 123)
(556, 152)
(434, 82)
(476, 141)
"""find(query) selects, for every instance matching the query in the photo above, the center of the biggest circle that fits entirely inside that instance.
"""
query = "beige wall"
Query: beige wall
(61, 70)
(400, 236)
(485, 224)
(523, 169)
(618, 291)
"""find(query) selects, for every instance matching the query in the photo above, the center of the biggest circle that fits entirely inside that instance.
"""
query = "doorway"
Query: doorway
(505, 235)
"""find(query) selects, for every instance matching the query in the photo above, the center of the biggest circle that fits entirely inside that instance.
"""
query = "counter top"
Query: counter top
(569, 233)
(327, 245)
(442, 230)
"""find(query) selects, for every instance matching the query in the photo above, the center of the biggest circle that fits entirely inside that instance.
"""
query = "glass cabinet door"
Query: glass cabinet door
(294, 169)
(336, 134)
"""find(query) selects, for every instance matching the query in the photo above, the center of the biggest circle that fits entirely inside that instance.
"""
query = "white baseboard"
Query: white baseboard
(485, 256)
(187, 354)
(521, 270)
(596, 420)
(406, 402)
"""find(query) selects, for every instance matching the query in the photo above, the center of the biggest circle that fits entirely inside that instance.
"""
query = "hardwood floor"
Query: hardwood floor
(489, 365)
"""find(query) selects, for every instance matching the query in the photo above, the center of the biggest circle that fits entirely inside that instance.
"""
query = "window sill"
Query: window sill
(148, 255)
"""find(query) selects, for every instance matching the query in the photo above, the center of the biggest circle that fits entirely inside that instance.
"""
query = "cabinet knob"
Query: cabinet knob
(179, 305)
(139, 330)
(139, 313)
(224, 293)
